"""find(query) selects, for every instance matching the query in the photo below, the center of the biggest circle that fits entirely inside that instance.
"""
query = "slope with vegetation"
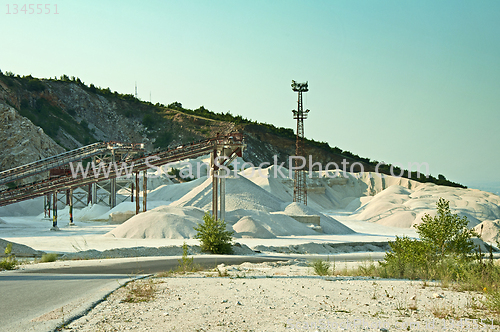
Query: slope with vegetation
(74, 114)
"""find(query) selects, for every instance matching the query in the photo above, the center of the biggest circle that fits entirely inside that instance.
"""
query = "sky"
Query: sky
(395, 81)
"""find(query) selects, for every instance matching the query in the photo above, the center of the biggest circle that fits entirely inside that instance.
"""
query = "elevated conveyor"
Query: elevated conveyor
(230, 145)
(65, 158)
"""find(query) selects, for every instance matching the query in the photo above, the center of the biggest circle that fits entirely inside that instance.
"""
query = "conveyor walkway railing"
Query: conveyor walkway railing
(231, 142)
(65, 158)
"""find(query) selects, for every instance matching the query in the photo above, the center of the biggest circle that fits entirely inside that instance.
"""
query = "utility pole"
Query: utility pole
(299, 179)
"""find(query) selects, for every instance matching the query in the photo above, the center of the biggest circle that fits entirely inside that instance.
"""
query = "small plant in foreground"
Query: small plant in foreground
(185, 263)
(52, 257)
(10, 262)
(492, 301)
(321, 267)
(140, 291)
(213, 235)
(222, 272)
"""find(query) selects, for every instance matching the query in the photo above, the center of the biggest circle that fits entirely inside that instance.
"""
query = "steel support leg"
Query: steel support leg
(144, 191)
(70, 199)
(48, 204)
(222, 174)
(54, 218)
(94, 193)
(137, 206)
(112, 193)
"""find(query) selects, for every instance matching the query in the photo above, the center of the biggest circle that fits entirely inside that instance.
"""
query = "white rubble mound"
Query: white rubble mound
(31, 207)
(128, 207)
(490, 231)
(328, 224)
(262, 224)
(162, 222)
(241, 193)
(397, 206)
(327, 190)
(19, 250)
(87, 213)
(172, 192)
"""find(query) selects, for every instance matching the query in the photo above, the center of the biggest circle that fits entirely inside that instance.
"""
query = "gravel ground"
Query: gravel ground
(285, 296)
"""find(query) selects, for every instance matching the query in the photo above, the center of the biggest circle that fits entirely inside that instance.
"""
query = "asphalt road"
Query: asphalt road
(40, 302)
(153, 265)
(41, 298)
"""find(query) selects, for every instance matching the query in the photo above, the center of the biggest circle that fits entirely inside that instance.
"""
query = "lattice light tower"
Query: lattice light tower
(299, 180)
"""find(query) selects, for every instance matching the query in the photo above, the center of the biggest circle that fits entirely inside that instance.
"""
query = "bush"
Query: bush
(446, 234)
(52, 257)
(321, 267)
(444, 250)
(408, 258)
(444, 247)
(10, 262)
(213, 235)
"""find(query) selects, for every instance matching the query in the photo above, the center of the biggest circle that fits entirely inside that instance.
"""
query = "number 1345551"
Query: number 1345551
(32, 8)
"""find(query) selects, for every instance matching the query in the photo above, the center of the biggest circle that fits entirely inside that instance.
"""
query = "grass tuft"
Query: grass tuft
(52, 257)
(321, 267)
(140, 291)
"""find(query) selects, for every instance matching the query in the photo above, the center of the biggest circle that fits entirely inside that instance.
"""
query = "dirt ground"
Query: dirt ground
(284, 296)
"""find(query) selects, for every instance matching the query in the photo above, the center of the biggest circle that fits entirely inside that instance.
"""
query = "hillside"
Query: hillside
(74, 114)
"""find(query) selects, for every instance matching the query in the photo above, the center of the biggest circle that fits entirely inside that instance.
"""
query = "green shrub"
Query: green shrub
(444, 248)
(35, 85)
(408, 258)
(213, 235)
(52, 257)
(446, 234)
(10, 262)
(185, 263)
(321, 267)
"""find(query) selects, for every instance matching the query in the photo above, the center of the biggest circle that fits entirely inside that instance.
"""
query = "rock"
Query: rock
(22, 141)
(437, 296)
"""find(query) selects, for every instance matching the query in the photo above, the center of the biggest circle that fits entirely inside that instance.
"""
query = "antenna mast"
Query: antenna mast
(299, 179)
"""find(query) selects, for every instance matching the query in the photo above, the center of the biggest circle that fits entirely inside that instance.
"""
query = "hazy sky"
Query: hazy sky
(395, 81)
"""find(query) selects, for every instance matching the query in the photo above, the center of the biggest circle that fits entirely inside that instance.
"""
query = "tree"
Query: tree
(213, 235)
(441, 237)
(446, 234)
